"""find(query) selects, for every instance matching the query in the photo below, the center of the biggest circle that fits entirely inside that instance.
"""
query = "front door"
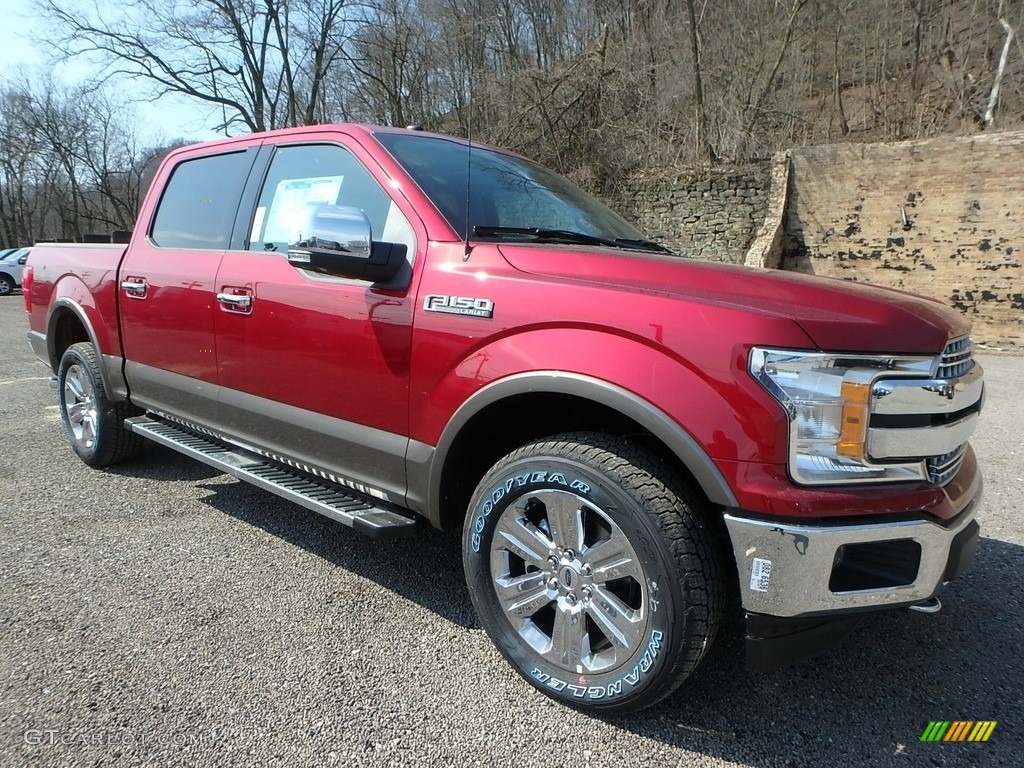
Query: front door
(313, 368)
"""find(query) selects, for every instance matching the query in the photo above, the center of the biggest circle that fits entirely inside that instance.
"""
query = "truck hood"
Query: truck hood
(838, 315)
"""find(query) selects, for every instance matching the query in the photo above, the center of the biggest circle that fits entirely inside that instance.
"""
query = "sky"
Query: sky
(168, 118)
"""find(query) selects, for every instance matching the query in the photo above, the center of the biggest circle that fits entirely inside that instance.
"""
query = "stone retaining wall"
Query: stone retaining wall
(940, 217)
(714, 219)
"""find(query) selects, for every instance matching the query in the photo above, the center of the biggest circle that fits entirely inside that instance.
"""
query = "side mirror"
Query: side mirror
(340, 243)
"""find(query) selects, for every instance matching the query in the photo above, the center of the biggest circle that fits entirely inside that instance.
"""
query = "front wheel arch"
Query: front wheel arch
(465, 449)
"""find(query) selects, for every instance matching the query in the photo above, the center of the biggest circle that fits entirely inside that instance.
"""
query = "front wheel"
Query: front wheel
(593, 571)
(6, 285)
(94, 425)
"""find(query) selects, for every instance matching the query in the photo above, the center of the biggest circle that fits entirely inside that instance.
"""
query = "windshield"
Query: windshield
(506, 193)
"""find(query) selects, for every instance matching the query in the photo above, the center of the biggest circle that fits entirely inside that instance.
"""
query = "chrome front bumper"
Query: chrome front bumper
(791, 570)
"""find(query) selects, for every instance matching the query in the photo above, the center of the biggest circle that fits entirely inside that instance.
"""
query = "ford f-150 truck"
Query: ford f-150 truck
(388, 326)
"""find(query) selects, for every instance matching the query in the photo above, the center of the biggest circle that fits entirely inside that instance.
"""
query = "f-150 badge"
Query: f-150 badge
(459, 305)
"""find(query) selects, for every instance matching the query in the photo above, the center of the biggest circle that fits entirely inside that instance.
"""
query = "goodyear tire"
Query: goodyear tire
(593, 571)
(93, 424)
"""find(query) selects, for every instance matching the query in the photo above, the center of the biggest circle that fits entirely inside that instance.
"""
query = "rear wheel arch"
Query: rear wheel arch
(513, 411)
(65, 327)
(69, 324)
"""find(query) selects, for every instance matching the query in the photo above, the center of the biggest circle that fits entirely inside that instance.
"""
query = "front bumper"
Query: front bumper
(805, 587)
(804, 570)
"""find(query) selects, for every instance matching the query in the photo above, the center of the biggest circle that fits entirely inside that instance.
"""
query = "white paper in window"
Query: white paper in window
(257, 224)
(289, 212)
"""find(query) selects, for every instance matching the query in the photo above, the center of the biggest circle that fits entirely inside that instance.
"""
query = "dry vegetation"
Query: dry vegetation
(599, 89)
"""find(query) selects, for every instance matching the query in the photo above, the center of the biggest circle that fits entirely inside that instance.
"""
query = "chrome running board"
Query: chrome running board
(362, 513)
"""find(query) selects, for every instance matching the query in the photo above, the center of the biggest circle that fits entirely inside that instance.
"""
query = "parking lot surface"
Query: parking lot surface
(158, 613)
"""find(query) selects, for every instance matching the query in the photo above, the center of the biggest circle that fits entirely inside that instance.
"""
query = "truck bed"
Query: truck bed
(83, 274)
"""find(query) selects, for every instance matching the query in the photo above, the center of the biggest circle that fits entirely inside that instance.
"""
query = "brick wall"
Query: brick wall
(715, 219)
(941, 217)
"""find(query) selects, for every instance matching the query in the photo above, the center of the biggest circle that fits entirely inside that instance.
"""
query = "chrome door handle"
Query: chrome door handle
(135, 287)
(235, 300)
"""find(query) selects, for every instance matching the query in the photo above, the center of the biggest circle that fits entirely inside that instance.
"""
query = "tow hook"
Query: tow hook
(931, 605)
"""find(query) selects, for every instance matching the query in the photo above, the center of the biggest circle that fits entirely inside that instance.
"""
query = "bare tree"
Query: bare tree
(703, 140)
(599, 89)
(21, 170)
(993, 98)
(390, 57)
(262, 62)
(840, 10)
(71, 162)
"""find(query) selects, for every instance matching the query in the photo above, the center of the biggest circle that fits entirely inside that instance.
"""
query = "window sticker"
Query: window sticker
(290, 208)
(257, 224)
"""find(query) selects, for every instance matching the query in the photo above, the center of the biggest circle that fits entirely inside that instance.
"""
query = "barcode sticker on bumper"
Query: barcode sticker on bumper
(760, 574)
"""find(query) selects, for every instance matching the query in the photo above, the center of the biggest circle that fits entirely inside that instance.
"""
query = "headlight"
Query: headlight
(827, 400)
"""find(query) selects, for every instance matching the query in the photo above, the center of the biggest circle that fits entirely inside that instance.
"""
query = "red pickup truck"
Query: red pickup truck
(388, 326)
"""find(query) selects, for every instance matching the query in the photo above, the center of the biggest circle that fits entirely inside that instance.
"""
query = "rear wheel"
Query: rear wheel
(593, 571)
(94, 425)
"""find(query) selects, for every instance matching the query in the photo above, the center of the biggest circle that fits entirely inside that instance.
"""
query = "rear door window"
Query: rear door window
(198, 206)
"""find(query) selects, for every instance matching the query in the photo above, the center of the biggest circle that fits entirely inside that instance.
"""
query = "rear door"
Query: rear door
(316, 368)
(167, 293)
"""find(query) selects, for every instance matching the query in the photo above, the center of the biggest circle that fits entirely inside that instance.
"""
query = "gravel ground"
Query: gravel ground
(161, 614)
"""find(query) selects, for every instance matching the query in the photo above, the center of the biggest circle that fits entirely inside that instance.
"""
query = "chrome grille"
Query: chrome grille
(957, 359)
(928, 420)
(942, 469)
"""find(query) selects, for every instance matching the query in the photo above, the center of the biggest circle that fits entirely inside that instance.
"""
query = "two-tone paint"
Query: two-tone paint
(367, 382)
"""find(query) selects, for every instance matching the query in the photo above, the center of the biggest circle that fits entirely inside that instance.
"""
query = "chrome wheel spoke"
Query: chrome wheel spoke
(74, 385)
(567, 638)
(565, 517)
(611, 559)
(88, 430)
(620, 623)
(568, 581)
(76, 412)
(524, 540)
(80, 406)
(523, 596)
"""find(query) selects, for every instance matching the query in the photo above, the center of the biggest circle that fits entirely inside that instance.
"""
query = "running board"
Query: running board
(362, 513)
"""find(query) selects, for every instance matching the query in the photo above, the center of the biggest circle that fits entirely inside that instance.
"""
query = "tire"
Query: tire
(632, 573)
(7, 285)
(94, 425)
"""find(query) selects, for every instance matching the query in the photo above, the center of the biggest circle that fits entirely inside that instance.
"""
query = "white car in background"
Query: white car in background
(12, 264)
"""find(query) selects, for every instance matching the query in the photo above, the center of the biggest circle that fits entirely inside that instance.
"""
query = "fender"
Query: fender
(645, 413)
(708, 391)
(111, 371)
